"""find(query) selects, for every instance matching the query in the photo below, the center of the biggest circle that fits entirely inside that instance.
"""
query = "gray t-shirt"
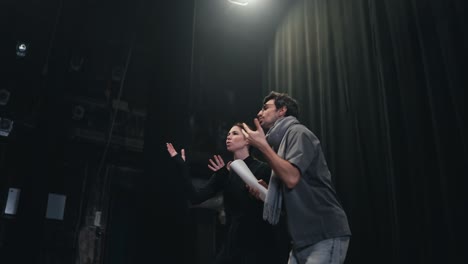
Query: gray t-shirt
(312, 208)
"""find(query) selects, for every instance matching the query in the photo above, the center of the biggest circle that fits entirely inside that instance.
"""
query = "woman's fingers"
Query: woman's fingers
(212, 163)
(263, 183)
(255, 193)
(171, 149)
(219, 160)
(215, 163)
(212, 168)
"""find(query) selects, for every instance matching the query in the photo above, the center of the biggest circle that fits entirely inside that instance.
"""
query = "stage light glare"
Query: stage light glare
(239, 2)
(21, 49)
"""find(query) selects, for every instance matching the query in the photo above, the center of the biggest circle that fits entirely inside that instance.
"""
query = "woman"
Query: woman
(249, 238)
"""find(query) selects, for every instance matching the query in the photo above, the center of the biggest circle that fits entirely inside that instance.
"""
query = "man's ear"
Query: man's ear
(282, 111)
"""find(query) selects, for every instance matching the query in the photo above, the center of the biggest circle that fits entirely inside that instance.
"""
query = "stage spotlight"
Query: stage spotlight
(21, 49)
(4, 96)
(239, 2)
(6, 125)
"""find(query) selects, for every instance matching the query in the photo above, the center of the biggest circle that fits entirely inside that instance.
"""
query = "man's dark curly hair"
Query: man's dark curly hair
(283, 99)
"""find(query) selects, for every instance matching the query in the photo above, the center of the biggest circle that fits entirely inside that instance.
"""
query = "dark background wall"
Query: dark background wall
(103, 86)
(383, 85)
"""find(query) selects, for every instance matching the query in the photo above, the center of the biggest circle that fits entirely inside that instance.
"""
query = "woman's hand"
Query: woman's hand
(254, 192)
(216, 163)
(173, 152)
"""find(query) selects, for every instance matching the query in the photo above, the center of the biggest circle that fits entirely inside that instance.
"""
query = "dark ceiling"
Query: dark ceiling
(99, 51)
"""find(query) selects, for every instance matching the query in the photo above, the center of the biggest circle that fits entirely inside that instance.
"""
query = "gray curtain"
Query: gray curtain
(382, 85)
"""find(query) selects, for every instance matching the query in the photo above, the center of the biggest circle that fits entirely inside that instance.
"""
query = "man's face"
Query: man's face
(268, 115)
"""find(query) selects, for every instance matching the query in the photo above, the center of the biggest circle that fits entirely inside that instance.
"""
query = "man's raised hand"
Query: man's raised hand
(255, 138)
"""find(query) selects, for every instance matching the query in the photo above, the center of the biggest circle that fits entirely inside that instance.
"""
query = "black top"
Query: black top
(249, 238)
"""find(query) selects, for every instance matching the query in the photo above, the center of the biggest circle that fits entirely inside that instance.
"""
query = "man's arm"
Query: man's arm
(287, 172)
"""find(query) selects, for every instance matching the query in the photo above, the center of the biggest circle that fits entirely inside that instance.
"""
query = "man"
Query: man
(301, 182)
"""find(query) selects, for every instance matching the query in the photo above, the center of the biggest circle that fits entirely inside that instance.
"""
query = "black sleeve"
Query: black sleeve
(209, 189)
(263, 172)
(179, 160)
(184, 171)
(214, 185)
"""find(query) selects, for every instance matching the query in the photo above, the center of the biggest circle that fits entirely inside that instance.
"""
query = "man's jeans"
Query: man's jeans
(329, 251)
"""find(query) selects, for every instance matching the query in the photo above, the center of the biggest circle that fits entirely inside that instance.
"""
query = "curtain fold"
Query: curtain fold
(382, 85)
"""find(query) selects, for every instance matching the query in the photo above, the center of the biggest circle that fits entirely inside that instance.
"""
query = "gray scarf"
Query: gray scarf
(273, 200)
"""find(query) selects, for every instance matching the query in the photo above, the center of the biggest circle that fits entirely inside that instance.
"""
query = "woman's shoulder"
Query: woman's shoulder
(251, 160)
(258, 164)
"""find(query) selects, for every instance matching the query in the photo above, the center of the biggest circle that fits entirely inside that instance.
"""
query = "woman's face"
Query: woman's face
(235, 139)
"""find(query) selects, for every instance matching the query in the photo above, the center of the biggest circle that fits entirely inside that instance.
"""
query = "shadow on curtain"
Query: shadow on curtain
(382, 85)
